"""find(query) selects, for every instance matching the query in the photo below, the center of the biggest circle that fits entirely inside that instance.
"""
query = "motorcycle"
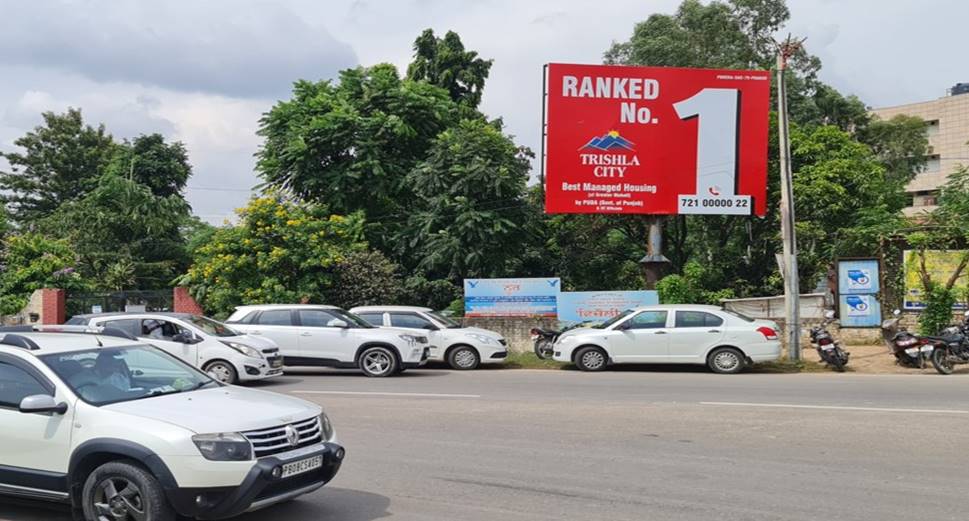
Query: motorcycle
(543, 340)
(909, 349)
(828, 348)
(952, 347)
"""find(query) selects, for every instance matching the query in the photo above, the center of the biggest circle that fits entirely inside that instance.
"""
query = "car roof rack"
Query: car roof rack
(13, 339)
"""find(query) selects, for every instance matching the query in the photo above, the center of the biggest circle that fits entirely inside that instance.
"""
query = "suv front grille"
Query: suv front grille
(267, 442)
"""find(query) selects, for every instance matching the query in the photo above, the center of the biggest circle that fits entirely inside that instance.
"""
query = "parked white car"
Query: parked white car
(461, 347)
(122, 430)
(314, 335)
(227, 355)
(724, 341)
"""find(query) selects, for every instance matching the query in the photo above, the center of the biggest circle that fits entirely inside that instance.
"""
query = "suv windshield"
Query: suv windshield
(613, 320)
(121, 374)
(211, 327)
(448, 323)
(351, 319)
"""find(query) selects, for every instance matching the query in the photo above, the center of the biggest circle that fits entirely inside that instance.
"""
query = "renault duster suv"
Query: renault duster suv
(122, 430)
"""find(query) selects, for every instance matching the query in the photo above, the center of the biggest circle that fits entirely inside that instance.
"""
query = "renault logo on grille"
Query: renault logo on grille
(292, 436)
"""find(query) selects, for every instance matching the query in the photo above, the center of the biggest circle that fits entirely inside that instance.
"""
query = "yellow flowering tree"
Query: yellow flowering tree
(280, 252)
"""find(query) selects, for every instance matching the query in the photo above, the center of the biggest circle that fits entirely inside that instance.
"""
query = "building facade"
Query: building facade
(947, 128)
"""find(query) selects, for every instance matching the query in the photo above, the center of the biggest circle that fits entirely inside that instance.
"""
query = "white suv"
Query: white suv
(312, 335)
(227, 355)
(461, 347)
(122, 430)
(680, 334)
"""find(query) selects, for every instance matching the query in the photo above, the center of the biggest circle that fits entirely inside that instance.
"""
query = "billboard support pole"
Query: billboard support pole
(792, 319)
(654, 262)
(541, 158)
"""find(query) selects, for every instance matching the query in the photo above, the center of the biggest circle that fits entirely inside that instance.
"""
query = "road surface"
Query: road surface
(631, 445)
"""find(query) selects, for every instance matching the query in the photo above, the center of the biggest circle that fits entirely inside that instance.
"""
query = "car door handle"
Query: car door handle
(306, 334)
(255, 332)
(660, 333)
(713, 331)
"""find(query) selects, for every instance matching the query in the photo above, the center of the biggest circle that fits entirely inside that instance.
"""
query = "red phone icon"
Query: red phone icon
(715, 190)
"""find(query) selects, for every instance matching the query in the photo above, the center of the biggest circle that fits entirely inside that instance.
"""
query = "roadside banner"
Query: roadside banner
(656, 140)
(940, 264)
(858, 276)
(860, 311)
(511, 297)
(599, 306)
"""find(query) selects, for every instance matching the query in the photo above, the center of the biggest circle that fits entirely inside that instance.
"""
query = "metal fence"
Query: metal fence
(115, 301)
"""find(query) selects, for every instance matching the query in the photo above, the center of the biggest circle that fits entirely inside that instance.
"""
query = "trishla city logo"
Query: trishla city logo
(610, 142)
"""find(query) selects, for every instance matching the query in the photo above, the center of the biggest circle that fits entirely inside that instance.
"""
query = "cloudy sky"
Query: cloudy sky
(203, 71)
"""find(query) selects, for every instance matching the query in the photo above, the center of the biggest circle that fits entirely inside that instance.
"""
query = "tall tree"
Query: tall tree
(149, 160)
(471, 208)
(61, 161)
(445, 62)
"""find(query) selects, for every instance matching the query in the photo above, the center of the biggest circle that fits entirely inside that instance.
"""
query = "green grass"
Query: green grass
(788, 366)
(528, 360)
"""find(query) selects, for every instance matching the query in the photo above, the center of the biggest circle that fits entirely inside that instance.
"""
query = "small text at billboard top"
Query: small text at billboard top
(656, 140)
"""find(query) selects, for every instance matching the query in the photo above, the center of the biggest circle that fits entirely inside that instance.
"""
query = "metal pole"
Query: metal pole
(792, 316)
(541, 158)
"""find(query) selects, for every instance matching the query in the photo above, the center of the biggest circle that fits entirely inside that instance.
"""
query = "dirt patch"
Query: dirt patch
(875, 359)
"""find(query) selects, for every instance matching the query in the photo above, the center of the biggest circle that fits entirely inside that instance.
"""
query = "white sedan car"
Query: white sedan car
(724, 341)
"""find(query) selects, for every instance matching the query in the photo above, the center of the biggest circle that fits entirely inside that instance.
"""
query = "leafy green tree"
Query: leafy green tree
(149, 160)
(470, 205)
(444, 62)
(32, 262)
(900, 143)
(60, 162)
(122, 221)
(436, 294)
(281, 251)
(688, 288)
(350, 145)
(365, 278)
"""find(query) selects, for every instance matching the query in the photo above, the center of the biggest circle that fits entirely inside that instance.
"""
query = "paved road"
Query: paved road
(633, 445)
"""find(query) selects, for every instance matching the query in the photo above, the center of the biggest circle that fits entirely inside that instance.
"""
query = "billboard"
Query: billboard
(599, 306)
(860, 311)
(858, 276)
(656, 140)
(511, 297)
(940, 264)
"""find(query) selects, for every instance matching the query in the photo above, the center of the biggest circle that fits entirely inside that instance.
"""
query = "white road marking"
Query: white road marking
(405, 395)
(835, 407)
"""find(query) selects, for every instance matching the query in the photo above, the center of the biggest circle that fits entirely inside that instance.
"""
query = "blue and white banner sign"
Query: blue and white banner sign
(599, 306)
(511, 297)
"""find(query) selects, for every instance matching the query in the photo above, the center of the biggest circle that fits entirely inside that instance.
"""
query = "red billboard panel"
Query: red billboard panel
(656, 140)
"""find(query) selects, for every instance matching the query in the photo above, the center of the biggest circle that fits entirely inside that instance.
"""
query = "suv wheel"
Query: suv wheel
(726, 360)
(378, 362)
(591, 359)
(222, 371)
(118, 491)
(463, 358)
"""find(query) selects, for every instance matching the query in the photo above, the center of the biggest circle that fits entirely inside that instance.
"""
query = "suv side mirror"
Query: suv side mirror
(41, 403)
(336, 322)
(185, 338)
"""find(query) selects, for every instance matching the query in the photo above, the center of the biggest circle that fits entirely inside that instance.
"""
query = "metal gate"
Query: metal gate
(116, 301)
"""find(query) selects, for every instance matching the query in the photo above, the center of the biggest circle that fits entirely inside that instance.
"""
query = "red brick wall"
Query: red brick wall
(53, 308)
(184, 303)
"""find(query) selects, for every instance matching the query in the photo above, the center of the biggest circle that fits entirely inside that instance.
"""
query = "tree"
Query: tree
(32, 262)
(281, 252)
(365, 278)
(61, 161)
(123, 221)
(162, 167)
(445, 63)
(900, 143)
(469, 192)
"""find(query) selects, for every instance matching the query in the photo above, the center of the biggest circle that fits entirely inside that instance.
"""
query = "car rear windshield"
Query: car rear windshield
(738, 315)
(122, 374)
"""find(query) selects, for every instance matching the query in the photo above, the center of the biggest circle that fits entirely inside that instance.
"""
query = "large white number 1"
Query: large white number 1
(716, 144)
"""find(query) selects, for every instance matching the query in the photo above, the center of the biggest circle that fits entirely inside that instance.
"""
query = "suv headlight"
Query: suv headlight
(326, 427)
(484, 339)
(227, 446)
(410, 339)
(244, 349)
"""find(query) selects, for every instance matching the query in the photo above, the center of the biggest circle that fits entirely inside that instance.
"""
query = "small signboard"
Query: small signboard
(531, 297)
(860, 311)
(858, 277)
(599, 306)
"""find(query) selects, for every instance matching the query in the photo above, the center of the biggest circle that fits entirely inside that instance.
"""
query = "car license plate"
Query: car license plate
(302, 466)
(276, 362)
(827, 348)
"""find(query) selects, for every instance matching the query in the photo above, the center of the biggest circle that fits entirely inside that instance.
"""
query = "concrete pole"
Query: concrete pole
(792, 315)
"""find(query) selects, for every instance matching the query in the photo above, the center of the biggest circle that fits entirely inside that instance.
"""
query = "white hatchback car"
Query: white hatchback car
(461, 347)
(316, 335)
(228, 355)
(672, 334)
(121, 430)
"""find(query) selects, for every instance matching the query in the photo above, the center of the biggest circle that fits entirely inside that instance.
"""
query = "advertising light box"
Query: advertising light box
(656, 140)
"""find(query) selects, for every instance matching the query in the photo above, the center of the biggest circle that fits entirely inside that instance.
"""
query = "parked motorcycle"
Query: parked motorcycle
(910, 350)
(952, 347)
(543, 340)
(828, 348)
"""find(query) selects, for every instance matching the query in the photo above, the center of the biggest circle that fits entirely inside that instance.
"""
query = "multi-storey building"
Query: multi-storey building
(947, 128)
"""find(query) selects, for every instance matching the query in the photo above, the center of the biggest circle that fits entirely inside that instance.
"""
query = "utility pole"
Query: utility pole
(792, 316)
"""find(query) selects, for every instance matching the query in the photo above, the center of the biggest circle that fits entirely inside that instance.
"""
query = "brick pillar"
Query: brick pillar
(184, 303)
(53, 307)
